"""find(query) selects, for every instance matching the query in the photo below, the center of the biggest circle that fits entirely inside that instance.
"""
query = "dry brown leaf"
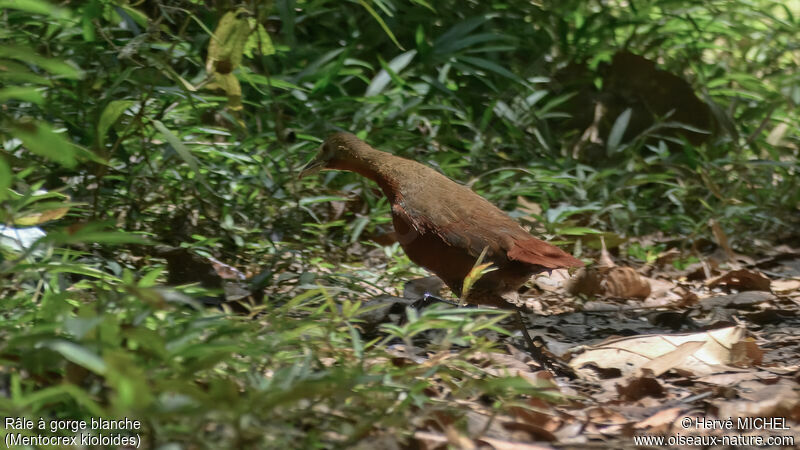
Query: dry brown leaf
(631, 353)
(640, 387)
(624, 282)
(587, 281)
(746, 353)
(605, 257)
(617, 282)
(742, 280)
(722, 239)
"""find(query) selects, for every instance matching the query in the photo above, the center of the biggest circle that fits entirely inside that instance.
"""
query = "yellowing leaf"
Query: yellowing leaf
(227, 44)
(41, 217)
(478, 270)
(259, 40)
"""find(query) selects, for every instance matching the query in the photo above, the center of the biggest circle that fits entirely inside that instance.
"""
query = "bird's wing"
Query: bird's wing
(471, 223)
(474, 224)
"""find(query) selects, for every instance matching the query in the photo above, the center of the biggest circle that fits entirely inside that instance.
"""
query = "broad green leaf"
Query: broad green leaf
(618, 130)
(577, 231)
(36, 7)
(381, 80)
(322, 199)
(449, 40)
(109, 116)
(491, 66)
(79, 355)
(52, 65)
(23, 93)
(42, 140)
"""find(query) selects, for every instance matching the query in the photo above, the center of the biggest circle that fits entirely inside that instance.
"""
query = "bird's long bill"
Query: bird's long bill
(313, 166)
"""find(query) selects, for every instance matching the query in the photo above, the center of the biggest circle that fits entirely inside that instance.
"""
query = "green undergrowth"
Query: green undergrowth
(130, 126)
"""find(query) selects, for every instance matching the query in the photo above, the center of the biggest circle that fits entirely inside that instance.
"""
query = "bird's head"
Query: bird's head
(339, 151)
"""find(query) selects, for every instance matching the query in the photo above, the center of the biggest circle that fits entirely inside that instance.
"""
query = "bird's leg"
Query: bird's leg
(538, 353)
(428, 299)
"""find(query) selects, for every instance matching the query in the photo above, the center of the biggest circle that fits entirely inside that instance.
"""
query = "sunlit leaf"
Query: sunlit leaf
(382, 79)
(22, 93)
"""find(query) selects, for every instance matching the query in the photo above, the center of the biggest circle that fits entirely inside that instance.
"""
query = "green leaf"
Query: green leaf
(381, 80)
(5, 179)
(577, 231)
(618, 130)
(42, 140)
(23, 93)
(491, 66)
(109, 116)
(380, 21)
(36, 7)
(176, 144)
(79, 355)
(28, 55)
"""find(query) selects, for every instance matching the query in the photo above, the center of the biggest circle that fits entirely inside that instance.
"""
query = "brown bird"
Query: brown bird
(444, 226)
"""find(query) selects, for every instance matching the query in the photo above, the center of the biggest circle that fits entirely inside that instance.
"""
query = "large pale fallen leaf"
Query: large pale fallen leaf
(703, 354)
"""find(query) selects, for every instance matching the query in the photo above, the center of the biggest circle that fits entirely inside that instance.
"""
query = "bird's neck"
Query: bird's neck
(378, 167)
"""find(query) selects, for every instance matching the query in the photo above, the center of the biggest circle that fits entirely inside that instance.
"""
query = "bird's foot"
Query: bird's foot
(428, 299)
(540, 354)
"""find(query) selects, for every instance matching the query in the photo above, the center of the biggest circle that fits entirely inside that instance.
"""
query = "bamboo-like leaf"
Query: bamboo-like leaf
(382, 79)
(176, 144)
(381, 22)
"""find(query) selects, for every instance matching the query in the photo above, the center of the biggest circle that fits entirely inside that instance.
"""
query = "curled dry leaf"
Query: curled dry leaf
(619, 282)
(624, 282)
(696, 353)
(743, 280)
